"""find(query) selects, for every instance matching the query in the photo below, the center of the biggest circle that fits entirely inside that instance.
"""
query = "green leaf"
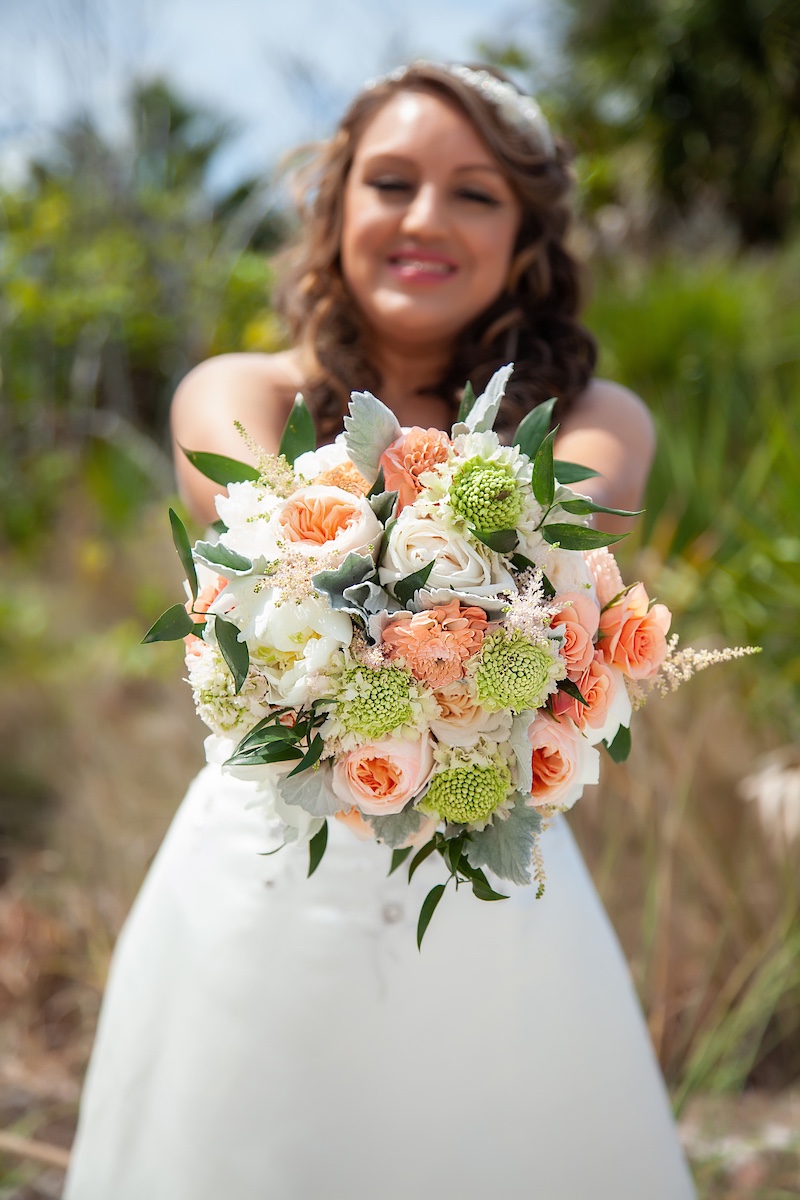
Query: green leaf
(568, 472)
(261, 756)
(172, 625)
(299, 435)
(181, 539)
(214, 554)
(451, 853)
(549, 590)
(582, 508)
(428, 909)
(378, 487)
(566, 685)
(620, 748)
(419, 858)
(578, 537)
(222, 470)
(316, 848)
(521, 563)
(370, 428)
(383, 506)
(467, 401)
(544, 480)
(405, 589)
(312, 755)
(399, 857)
(484, 891)
(532, 429)
(235, 653)
(502, 541)
(505, 847)
(219, 528)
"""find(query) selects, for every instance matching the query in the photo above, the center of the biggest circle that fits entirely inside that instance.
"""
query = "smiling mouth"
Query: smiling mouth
(409, 265)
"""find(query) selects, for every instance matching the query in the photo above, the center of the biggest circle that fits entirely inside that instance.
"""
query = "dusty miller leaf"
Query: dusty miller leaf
(483, 413)
(311, 791)
(370, 429)
(395, 831)
(505, 847)
(518, 741)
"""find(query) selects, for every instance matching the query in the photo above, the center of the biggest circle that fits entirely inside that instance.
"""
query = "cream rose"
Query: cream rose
(461, 720)
(467, 567)
(379, 778)
(562, 761)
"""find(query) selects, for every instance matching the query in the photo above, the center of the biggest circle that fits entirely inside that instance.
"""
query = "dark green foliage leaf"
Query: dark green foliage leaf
(261, 756)
(566, 685)
(172, 625)
(620, 748)
(549, 590)
(311, 756)
(235, 653)
(214, 554)
(428, 909)
(219, 528)
(532, 429)
(567, 472)
(316, 848)
(419, 858)
(222, 470)
(399, 857)
(467, 401)
(521, 563)
(181, 540)
(578, 537)
(378, 487)
(544, 480)
(451, 853)
(502, 541)
(582, 508)
(406, 588)
(383, 504)
(505, 846)
(484, 891)
(299, 435)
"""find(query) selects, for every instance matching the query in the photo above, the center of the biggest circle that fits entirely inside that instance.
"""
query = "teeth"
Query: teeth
(416, 264)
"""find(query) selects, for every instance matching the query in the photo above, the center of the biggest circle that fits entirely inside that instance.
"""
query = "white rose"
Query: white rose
(318, 521)
(325, 458)
(461, 720)
(289, 643)
(246, 510)
(459, 564)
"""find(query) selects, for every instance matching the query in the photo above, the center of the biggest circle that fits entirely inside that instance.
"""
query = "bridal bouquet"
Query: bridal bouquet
(419, 635)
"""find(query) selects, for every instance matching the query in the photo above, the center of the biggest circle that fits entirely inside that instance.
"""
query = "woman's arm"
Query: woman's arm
(254, 389)
(611, 430)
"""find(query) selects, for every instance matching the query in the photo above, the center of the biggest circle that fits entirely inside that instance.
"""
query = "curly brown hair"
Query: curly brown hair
(534, 322)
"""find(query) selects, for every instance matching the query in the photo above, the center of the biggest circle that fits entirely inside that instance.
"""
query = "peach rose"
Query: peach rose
(605, 574)
(196, 610)
(436, 642)
(410, 456)
(379, 778)
(356, 824)
(577, 621)
(562, 760)
(598, 687)
(461, 720)
(320, 519)
(633, 635)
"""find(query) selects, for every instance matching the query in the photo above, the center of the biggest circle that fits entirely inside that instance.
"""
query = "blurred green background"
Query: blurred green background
(118, 272)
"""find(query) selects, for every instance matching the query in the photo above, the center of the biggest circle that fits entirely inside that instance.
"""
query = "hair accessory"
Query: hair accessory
(520, 111)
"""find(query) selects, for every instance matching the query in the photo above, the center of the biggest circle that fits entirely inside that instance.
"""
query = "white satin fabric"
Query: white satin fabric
(265, 1036)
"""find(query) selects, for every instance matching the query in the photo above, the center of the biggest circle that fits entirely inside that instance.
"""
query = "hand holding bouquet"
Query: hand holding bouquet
(419, 635)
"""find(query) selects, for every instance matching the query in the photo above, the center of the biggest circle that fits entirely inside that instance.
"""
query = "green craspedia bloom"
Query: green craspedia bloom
(487, 495)
(468, 794)
(373, 703)
(515, 673)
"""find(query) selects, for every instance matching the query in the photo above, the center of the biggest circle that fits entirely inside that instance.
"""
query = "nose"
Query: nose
(425, 215)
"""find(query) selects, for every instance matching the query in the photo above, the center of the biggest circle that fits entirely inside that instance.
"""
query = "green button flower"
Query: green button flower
(373, 703)
(487, 495)
(464, 795)
(515, 673)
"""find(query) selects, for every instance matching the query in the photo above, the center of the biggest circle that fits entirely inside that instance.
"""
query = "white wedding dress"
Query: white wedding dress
(265, 1036)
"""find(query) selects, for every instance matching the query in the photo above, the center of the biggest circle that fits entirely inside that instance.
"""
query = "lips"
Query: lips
(421, 265)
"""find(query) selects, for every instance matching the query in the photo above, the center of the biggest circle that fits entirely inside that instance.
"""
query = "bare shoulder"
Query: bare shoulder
(265, 375)
(615, 409)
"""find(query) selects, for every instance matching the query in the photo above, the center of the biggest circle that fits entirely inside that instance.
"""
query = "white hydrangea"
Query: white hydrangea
(213, 688)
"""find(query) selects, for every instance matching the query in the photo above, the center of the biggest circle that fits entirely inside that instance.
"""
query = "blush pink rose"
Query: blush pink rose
(577, 622)
(562, 761)
(598, 687)
(379, 778)
(633, 635)
(410, 456)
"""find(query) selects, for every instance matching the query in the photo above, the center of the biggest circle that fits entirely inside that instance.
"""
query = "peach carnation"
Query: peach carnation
(345, 476)
(436, 642)
(410, 456)
(197, 608)
(577, 621)
(633, 635)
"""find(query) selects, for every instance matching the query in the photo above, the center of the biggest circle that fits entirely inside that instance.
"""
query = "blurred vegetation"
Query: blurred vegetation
(118, 273)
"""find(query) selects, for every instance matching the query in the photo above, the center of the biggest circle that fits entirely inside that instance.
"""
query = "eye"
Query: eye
(477, 196)
(388, 183)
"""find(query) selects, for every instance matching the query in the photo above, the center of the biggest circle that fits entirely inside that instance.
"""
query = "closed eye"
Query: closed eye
(478, 197)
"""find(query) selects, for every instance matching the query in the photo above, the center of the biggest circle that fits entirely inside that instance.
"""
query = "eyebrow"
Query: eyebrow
(390, 155)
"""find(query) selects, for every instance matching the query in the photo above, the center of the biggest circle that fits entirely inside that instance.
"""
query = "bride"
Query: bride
(268, 1035)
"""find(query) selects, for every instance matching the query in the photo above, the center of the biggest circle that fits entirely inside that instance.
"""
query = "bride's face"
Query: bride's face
(429, 222)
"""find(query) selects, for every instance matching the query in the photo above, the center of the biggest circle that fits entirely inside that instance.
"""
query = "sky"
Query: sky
(283, 69)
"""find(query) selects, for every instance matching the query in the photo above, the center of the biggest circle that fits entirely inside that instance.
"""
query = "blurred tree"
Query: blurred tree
(117, 273)
(709, 89)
